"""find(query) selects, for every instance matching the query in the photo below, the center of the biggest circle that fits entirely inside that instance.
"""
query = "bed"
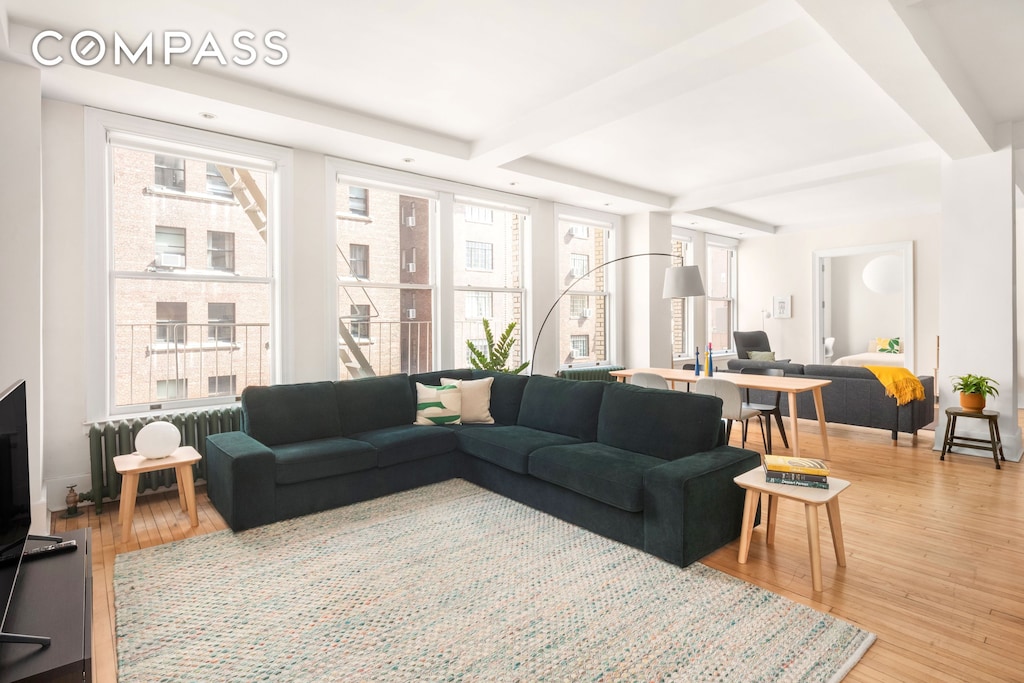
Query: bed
(871, 358)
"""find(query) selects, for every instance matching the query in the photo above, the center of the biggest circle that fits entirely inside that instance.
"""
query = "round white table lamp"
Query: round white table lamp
(157, 440)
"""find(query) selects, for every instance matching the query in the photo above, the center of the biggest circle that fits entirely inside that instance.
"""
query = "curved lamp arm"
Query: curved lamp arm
(678, 282)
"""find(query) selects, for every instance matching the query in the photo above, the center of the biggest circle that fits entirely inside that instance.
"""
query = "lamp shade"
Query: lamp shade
(682, 281)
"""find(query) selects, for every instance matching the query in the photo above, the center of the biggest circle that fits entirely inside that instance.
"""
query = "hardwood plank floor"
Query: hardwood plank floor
(933, 555)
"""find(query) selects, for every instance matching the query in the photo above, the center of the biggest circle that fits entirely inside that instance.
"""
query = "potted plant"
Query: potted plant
(973, 391)
(495, 356)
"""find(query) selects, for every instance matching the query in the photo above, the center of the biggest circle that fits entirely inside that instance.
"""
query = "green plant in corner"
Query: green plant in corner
(496, 356)
(975, 384)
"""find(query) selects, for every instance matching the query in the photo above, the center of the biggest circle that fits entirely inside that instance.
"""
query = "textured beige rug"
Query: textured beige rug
(452, 582)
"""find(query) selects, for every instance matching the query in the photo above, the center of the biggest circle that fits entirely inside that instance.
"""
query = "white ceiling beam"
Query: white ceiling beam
(804, 178)
(728, 218)
(884, 41)
(569, 176)
(732, 45)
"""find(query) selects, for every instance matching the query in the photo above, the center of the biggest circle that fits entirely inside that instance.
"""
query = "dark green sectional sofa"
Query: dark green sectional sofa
(645, 467)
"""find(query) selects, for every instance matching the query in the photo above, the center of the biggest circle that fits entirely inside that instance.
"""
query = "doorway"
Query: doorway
(861, 293)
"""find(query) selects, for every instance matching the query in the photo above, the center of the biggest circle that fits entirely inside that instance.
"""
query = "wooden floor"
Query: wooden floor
(934, 556)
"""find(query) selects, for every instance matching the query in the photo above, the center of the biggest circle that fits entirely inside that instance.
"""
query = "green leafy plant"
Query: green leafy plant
(975, 384)
(496, 356)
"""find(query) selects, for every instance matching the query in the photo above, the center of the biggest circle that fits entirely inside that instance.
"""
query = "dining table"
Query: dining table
(789, 385)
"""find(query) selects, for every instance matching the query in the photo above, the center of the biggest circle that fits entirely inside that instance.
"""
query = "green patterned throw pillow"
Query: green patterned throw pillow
(888, 345)
(438, 405)
(761, 355)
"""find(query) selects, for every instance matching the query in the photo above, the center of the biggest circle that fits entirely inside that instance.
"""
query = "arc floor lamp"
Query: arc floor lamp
(680, 282)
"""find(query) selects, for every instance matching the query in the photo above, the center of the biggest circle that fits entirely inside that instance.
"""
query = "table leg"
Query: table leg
(819, 408)
(747, 530)
(945, 439)
(129, 487)
(811, 513)
(187, 482)
(773, 514)
(181, 491)
(996, 445)
(795, 432)
(1001, 456)
(835, 523)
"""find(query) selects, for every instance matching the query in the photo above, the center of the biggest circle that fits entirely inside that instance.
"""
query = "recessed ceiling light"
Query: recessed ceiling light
(207, 115)
(408, 160)
(513, 184)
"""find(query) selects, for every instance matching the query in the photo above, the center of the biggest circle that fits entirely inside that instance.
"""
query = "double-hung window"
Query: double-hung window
(489, 285)
(183, 290)
(584, 321)
(683, 343)
(721, 291)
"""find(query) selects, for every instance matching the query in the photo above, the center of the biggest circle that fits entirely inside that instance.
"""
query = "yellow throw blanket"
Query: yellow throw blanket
(899, 383)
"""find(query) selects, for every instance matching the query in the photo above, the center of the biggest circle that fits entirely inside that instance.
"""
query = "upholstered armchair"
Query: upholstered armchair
(746, 342)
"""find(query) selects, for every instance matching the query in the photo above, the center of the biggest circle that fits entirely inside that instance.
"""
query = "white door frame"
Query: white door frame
(821, 321)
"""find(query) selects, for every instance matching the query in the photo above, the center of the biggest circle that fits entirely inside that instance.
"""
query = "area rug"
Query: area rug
(453, 583)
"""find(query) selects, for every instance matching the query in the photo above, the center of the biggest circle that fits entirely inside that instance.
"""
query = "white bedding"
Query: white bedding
(871, 358)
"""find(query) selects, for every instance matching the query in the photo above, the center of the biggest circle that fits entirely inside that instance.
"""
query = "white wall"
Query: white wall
(858, 313)
(21, 259)
(783, 264)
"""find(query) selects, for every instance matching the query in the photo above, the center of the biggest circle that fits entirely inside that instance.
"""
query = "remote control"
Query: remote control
(44, 550)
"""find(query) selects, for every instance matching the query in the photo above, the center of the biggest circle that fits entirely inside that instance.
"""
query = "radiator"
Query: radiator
(590, 373)
(108, 439)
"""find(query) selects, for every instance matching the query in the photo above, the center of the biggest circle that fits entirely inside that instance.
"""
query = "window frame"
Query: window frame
(731, 247)
(213, 251)
(478, 248)
(104, 129)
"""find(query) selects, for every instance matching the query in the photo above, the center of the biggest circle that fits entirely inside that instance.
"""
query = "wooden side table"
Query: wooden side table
(131, 466)
(754, 483)
(993, 443)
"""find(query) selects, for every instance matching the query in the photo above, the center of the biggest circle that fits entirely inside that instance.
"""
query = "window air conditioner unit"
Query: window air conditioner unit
(410, 313)
(411, 267)
(410, 221)
(587, 313)
(167, 260)
(576, 353)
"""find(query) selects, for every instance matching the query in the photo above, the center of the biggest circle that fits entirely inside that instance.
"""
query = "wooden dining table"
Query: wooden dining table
(788, 385)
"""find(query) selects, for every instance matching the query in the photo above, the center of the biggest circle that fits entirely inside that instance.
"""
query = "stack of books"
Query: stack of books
(785, 469)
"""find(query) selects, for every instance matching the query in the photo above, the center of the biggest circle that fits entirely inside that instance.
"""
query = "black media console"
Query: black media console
(53, 597)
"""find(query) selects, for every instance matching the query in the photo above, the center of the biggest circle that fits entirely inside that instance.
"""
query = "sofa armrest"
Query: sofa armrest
(240, 479)
(692, 506)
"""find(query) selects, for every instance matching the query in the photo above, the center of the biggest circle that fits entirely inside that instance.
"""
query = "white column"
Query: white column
(977, 291)
(21, 263)
(542, 283)
(646, 316)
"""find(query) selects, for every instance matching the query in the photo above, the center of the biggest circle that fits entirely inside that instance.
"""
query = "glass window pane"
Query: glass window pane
(385, 300)
(505, 307)
(584, 313)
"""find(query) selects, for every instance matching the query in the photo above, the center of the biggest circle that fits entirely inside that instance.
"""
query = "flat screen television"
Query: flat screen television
(15, 499)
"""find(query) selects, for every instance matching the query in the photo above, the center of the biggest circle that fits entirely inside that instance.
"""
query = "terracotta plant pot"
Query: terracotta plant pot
(972, 402)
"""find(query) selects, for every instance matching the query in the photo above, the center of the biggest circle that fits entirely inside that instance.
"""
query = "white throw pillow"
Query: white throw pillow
(438, 405)
(476, 399)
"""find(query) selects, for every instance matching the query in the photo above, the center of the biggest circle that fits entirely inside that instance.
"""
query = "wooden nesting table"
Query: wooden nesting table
(754, 483)
(131, 466)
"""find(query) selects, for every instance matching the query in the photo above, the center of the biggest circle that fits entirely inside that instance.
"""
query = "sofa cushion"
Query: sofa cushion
(508, 446)
(406, 443)
(506, 394)
(438, 405)
(658, 422)
(849, 372)
(611, 475)
(476, 399)
(322, 458)
(374, 403)
(288, 413)
(562, 406)
(789, 368)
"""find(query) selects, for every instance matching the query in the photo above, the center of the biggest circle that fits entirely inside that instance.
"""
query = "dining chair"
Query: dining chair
(649, 380)
(732, 403)
(768, 409)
